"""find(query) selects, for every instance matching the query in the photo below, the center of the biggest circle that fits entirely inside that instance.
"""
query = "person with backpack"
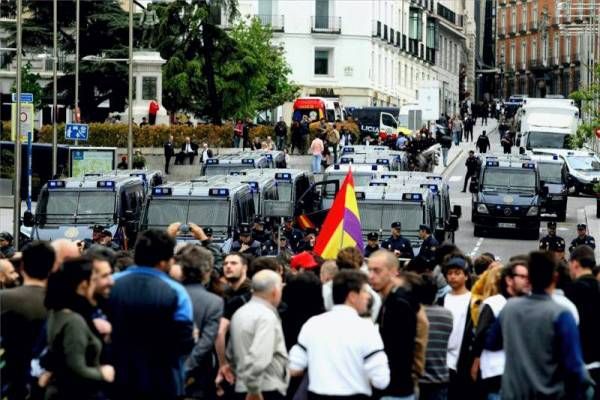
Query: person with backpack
(506, 143)
(445, 141)
(483, 143)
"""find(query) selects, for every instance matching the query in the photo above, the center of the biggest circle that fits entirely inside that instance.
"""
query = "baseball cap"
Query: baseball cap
(303, 260)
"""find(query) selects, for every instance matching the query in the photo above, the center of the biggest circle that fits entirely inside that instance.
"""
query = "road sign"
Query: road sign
(76, 132)
(25, 98)
(26, 119)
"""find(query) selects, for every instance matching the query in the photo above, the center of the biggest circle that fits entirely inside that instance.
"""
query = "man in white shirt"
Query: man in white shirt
(343, 352)
(458, 302)
(189, 150)
(206, 153)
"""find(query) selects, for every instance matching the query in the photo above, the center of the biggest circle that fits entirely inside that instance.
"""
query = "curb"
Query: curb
(451, 162)
(593, 224)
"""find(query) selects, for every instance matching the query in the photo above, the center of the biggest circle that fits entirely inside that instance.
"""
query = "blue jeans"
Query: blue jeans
(456, 137)
(445, 156)
(280, 142)
(236, 141)
(316, 164)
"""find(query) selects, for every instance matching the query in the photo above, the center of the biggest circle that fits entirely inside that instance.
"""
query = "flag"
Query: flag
(341, 228)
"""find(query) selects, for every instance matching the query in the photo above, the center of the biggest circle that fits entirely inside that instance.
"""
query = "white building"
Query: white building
(366, 52)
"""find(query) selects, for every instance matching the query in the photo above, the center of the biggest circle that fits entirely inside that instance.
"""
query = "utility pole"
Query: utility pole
(17, 158)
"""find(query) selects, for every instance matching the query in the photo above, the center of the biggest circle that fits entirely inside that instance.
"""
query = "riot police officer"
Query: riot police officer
(293, 235)
(246, 244)
(372, 243)
(551, 240)
(396, 243)
(429, 245)
(582, 238)
(258, 230)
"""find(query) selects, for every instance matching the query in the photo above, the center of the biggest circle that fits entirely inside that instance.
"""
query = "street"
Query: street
(503, 244)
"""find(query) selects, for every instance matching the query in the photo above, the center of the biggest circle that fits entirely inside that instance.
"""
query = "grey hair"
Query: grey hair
(264, 281)
(196, 263)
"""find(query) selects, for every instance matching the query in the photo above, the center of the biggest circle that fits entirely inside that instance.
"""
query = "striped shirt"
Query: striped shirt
(440, 326)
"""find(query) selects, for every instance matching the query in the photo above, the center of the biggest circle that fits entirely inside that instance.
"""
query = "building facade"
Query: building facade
(537, 51)
(367, 53)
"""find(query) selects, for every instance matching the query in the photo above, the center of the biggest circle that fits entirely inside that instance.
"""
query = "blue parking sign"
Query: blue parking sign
(76, 132)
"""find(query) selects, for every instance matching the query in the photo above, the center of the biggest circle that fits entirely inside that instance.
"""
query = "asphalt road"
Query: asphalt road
(503, 245)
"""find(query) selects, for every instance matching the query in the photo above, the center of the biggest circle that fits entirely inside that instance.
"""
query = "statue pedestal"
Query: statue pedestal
(147, 81)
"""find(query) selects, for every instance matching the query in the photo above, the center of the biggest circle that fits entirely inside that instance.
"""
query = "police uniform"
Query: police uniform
(428, 246)
(371, 249)
(293, 235)
(260, 235)
(400, 244)
(551, 241)
(254, 246)
(304, 244)
(587, 240)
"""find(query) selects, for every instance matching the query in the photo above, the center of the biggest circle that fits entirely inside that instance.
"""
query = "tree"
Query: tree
(30, 84)
(589, 98)
(191, 39)
(103, 30)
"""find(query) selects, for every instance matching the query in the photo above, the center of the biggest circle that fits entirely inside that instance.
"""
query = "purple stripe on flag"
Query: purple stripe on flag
(352, 227)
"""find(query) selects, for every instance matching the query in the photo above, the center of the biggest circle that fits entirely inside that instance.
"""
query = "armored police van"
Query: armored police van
(393, 162)
(379, 206)
(224, 164)
(553, 172)
(151, 178)
(276, 157)
(446, 217)
(362, 149)
(218, 205)
(69, 208)
(507, 195)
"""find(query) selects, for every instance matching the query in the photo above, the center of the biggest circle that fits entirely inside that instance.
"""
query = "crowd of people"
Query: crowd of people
(174, 321)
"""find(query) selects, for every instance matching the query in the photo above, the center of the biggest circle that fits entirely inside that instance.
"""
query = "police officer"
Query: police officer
(582, 238)
(472, 164)
(6, 245)
(372, 243)
(246, 244)
(396, 243)
(270, 247)
(258, 230)
(557, 248)
(429, 245)
(551, 240)
(293, 235)
(212, 247)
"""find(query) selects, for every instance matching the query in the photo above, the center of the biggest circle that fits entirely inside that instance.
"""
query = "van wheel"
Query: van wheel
(477, 231)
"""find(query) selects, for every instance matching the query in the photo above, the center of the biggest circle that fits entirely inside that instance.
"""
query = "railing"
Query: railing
(392, 34)
(501, 30)
(565, 59)
(325, 24)
(385, 32)
(512, 29)
(376, 28)
(430, 55)
(398, 39)
(275, 22)
(523, 27)
(403, 42)
(413, 47)
(554, 61)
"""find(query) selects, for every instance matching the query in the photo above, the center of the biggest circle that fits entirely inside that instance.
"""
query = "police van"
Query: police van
(379, 206)
(291, 185)
(507, 195)
(224, 164)
(554, 175)
(276, 157)
(362, 149)
(262, 186)
(151, 178)
(446, 217)
(392, 161)
(583, 168)
(218, 205)
(69, 208)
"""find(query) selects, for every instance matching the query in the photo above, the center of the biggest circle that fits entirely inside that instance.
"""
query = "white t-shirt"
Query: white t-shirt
(458, 305)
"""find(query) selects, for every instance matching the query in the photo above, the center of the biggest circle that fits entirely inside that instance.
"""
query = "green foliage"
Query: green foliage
(103, 30)
(589, 98)
(30, 84)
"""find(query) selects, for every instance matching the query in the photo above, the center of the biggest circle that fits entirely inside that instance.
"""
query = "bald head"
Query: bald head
(64, 248)
(8, 275)
(267, 285)
(387, 258)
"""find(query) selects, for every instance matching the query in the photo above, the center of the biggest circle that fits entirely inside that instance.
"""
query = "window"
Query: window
(567, 48)
(405, 75)
(134, 83)
(534, 50)
(534, 15)
(431, 34)
(524, 16)
(512, 55)
(513, 19)
(502, 20)
(321, 62)
(148, 88)
(556, 49)
(411, 77)
(545, 50)
(523, 53)
(415, 27)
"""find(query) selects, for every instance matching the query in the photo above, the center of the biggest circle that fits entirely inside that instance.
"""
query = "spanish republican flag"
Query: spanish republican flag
(341, 228)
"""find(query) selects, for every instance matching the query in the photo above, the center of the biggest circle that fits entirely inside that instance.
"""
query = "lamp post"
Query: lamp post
(17, 194)
(130, 96)
(501, 85)
(76, 105)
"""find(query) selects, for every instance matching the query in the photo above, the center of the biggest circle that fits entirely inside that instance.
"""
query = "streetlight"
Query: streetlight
(54, 105)
(17, 158)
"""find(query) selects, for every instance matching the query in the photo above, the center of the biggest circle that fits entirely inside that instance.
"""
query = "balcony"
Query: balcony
(565, 60)
(575, 58)
(413, 47)
(534, 63)
(376, 29)
(533, 25)
(392, 36)
(501, 31)
(512, 29)
(430, 55)
(398, 39)
(274, 22)
(403, 42)
(422, 51)
(556, 20)
(385, 33)
(325, 24)
(523, 27)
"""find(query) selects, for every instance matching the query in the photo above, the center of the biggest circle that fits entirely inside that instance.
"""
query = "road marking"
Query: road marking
(455, 178)
(476, 248)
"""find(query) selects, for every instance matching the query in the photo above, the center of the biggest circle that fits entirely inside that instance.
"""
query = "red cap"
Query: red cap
(303, 260)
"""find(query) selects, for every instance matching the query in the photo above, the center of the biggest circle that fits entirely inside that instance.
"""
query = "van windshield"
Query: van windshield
(550, 140)
(584, 163)
(80, 206)
(375, 215)
(519, 180)
(551, 172)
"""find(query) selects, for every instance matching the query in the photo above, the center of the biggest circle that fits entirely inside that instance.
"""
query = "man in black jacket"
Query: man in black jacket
(152, 323)
(188, 150)
(397, 322)
(584, 292)
(483, 143)
(472, 165)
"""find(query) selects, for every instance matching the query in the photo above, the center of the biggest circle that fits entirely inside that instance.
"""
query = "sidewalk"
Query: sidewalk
(588, 217)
